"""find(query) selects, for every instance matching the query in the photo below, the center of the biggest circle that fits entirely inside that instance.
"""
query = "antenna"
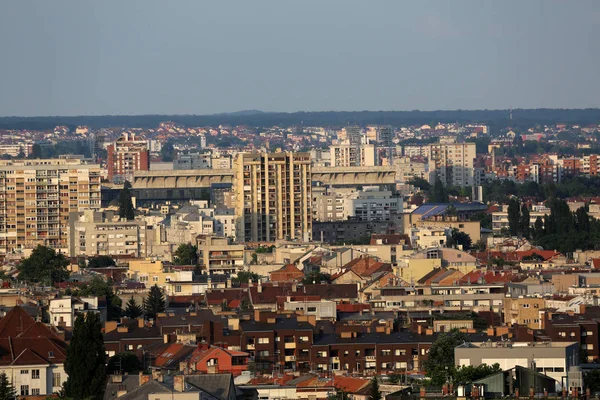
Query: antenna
(510, 113)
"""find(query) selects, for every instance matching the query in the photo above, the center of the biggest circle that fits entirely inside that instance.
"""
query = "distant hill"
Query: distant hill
(495, 118)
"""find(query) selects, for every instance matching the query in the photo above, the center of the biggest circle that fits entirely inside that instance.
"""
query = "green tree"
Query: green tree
(186, 254)
(460, 238)
(420, 183)
(316, 277)
(246, 276)
(7, 391)
(468, 374)
(514, 217)
(374, 392)
(101, 262)
(126, 209)
(44, 265)
(167, 152)
(591, 380)
(438, 192)
(98, 286)
(440, 363)
(36, 151)
(85, 363)
(155, 302)
(125, 362)
(524, 222)
(133, 309)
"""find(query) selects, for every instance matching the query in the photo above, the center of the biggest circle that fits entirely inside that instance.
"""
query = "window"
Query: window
(322, 353)
(263, 340)
(589, 333)
(24, 390)
(400, 352)
(572, 334)
(56, 380)
(24, 371)
(590, 347)
(35, 374)
(357, 353)
(35, 392)
(177, 288)
(312, 309)
(303, 339)
(386, 352)
(130, 347)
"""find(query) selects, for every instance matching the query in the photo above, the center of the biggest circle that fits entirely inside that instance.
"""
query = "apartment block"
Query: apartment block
(452, 163)
(523, 311)
(93, 233)
(219, 255)
(273, 196)
(125, 156)
(350, 155)
(36, 197)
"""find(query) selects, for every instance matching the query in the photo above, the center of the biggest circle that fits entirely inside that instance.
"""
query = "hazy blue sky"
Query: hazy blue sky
(196, 57)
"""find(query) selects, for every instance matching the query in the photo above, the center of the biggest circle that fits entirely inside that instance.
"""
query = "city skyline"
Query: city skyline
(147, 58)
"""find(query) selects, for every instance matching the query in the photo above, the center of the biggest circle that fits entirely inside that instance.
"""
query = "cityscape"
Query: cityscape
(299, 255)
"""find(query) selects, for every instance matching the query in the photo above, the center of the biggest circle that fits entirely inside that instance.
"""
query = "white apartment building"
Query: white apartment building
(322, 309)
(500, 218)
(348, 155)
(424, 237)
(62, 312)
(372, 204)
(94, 233)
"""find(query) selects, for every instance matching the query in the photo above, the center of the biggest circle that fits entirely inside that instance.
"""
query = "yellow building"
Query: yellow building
(523, 311)
(149, 272)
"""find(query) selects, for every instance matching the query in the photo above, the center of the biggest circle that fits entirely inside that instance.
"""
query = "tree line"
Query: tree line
(562, 229)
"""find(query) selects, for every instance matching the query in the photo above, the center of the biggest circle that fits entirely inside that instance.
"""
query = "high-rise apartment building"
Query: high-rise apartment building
(385, 134)
(125, 156)
(346, 155)
(452, 163)
(36, 197)
(273, 196)
(354, 135)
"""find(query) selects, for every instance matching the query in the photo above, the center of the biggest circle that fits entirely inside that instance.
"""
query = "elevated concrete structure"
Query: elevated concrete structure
(186, 184)
(355, 176)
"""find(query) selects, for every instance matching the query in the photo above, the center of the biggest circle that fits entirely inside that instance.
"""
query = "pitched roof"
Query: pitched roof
(218, 385)
(171, 357)
(349, 384)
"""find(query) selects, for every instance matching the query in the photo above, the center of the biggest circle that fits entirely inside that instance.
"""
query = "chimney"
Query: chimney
(143, 378)
(141, 322)
(419, 329)
(582, 309)
(228, 282)
(179, 383)
(259, 287)
(294, 286)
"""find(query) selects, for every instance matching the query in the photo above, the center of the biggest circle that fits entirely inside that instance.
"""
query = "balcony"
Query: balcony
(370, 358)
(291, 345)
(290, 358)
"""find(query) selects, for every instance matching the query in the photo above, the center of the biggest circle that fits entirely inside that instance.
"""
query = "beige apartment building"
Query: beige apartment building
(36, 197)
(349, 155)
(219, 255)
(523, 311)
(93, 233)
(452, 163)
(273, 196)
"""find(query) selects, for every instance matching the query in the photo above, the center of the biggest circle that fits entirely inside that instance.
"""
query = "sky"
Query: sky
(202, 57)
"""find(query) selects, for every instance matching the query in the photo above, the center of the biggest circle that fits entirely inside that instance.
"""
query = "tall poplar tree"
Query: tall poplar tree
(86, 359)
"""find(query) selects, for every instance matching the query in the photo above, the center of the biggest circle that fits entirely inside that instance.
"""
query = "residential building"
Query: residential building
(321, 309)
(372, 204)
(193, 161)
(95, 233)
(424, 237)
(452, 163)
(525, 311)
(36, 197)
(33, 355)
(125, 156)
(500, 218)
(349, 155)
(550, 358)
(63, 311)
(219, 255)
(273, 196)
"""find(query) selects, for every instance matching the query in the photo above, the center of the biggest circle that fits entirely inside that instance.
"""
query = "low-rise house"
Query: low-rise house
(31, 355)
(129, 335)
(64, 311)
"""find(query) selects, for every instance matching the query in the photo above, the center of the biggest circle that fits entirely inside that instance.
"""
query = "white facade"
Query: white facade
(323, 309)
(40, 379)
(426, 237)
